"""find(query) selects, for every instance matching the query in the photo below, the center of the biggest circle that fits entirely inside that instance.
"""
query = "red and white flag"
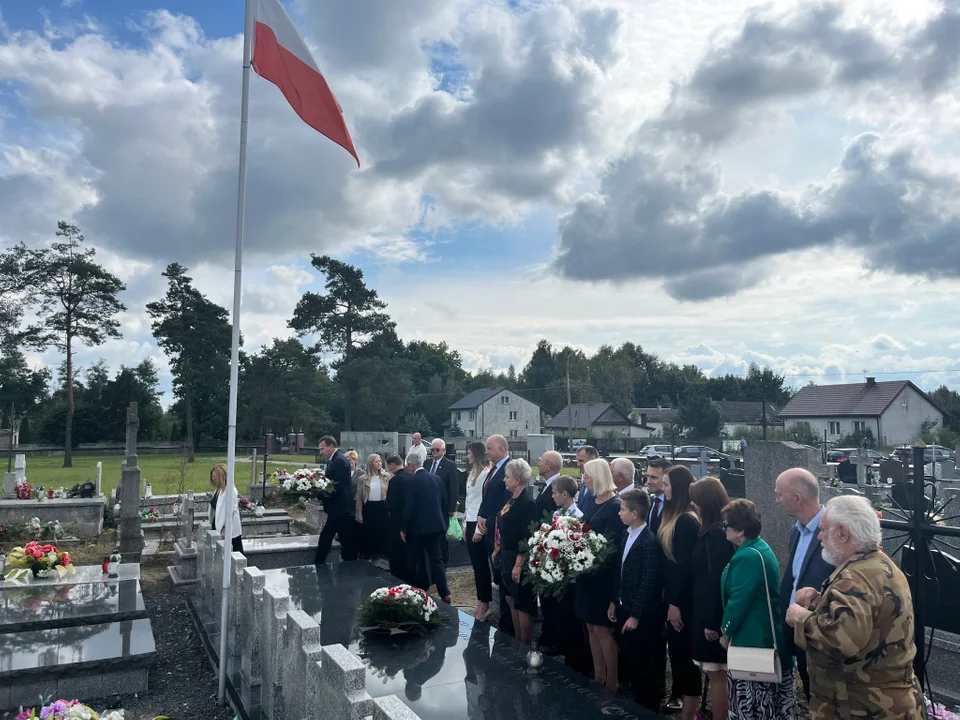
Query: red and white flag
(281, 56)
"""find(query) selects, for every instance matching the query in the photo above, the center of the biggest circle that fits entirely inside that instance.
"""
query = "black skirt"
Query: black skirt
(375, 529)
(524, 598)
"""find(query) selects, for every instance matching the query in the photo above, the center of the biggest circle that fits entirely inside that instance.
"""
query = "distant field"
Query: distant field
(161, 471)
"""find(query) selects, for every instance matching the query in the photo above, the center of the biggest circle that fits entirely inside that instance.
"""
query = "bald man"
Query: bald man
(549, 465)
(798, 494)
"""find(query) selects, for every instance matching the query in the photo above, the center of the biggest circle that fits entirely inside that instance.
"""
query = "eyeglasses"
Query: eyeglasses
(440, 450)
(725, 526)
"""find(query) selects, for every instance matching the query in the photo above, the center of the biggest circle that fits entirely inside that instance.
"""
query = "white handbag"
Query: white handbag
(756, 664)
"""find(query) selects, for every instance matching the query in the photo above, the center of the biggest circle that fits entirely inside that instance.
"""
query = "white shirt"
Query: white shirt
(420, 450)
(632, 536)
(475, 495)
(572, 511)
(376, 489)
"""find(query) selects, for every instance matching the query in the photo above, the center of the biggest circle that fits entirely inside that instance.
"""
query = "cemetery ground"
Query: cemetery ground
(163, 472)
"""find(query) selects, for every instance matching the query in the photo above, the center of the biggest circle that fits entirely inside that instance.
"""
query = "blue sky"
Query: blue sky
(591, 173)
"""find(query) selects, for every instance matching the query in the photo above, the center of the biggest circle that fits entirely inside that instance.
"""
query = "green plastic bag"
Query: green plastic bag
(454, 530)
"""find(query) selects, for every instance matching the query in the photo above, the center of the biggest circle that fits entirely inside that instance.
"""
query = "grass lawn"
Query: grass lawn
(161, 471)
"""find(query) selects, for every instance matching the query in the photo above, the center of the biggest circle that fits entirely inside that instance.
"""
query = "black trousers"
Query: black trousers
(481, 565)
(802, 667)
(344, 528)
(640, 653)
(683, 671)
(237, 546)
(425, 562)
(505, 621)
(572, 635)
(397, 554)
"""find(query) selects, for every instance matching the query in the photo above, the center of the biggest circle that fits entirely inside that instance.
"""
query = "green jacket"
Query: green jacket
(746, 619)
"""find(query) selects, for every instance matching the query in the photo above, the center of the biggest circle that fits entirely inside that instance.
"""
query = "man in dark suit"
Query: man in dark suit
(424, 525)
(549, 466)
(449, 475)
(493, 499)
(585, 453)
(341, 506)
(656, 467)
(396, 550)
(798, 493)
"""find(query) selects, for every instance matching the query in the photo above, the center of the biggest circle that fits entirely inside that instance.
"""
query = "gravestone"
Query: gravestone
(9, 486)
(99, 478)
(863, 462)
(763, 462)
(703, 465)
(130, 531)
(184, 571)
(20, 467)
(949, 469)
(892, 471)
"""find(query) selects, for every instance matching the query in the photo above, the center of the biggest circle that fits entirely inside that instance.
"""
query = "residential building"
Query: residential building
(495, 411)
(894, 411)
(737, 414)
(599, 418)
(655, 418)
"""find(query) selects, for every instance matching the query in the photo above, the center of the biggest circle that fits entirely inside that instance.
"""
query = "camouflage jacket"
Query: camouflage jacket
(859, 643)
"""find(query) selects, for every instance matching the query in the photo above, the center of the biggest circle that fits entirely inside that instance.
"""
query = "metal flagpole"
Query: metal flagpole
(235, 350)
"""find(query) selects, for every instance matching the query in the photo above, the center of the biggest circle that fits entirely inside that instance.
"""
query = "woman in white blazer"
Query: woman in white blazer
(221, 501)
(479, 469)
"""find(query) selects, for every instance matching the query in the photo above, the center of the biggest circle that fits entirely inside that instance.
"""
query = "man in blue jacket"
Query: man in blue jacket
(798, 493)
(341, 506)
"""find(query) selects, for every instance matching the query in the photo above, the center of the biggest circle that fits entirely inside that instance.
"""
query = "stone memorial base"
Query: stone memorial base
(81, 636)
(273, 522)
(294, 651)
(81, 517)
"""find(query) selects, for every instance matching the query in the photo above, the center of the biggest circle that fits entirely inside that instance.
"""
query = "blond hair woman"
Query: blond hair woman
(221, 503)
(372, 516)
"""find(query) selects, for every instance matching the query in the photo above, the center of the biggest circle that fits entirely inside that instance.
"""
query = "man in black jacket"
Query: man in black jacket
(341, 506)
(798, 493)
(449, 475)
(493, 499)
(551, 631)
(424, 526)
(395, 498)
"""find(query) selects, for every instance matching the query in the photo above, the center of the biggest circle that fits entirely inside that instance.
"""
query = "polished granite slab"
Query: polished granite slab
(84, 574)
(77, 650)
(464, 669)
(40, 607)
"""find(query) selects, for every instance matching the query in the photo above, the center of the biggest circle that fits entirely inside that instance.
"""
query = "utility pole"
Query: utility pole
(569, 411)
(13, 422)
(763, 404)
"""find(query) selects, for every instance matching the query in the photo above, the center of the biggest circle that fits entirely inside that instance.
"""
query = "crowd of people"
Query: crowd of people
(692, 582)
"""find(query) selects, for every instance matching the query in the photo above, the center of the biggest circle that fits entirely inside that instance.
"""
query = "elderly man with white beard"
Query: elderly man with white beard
(858, 629)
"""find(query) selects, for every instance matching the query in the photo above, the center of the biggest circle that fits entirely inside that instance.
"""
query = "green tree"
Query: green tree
(284, 388)
(21, 388)
(417, 422)
(344, 319)
(13, 299)
(77, 302)
(195, 334)
(949, 402)
(698, 417)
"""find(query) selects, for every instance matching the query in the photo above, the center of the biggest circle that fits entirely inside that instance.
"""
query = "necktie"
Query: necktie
(435, 464)
(655, 511)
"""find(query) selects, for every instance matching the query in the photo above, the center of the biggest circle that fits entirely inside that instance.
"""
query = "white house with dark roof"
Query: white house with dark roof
(600, 418)
(495, 411)
(894, 411)
(655, 418)
(737, 414)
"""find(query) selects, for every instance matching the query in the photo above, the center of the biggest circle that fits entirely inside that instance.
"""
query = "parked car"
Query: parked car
(649, 451)
(693, 452)
(937, 453)
(851, 454)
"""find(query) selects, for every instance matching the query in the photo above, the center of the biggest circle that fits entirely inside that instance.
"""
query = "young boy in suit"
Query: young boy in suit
(639, 611)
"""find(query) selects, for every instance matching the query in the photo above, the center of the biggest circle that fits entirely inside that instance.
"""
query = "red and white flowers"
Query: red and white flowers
(402, 608)
(309, 482)
(39, 559)
(562, 550)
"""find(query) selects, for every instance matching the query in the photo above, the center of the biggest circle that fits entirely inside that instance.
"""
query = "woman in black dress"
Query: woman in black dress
(711, 554)
(679, 528)
(513, 527)
(597, 589)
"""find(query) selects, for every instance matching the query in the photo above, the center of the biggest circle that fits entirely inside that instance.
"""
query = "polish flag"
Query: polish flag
(281, 56)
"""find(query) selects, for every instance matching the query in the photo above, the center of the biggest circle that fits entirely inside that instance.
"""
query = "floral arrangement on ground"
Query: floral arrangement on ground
(38, 560)
(71, 710)
(32, 530)
(937, 711)
(398, 610)
(305, 482)
(561, 550)
(150, 515)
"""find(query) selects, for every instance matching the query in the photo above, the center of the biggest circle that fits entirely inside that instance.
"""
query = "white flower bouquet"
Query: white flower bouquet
(308, 482)
(562, 550)
(399, 609)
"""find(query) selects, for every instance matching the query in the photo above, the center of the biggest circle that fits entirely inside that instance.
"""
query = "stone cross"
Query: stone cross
(863, 462)
(704, 469)
(130, 532)
(9, 486)
(99, 478)
(20, 467)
